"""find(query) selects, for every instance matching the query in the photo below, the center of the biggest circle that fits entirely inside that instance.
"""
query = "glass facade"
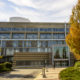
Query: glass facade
(58, 36)
(4, 36)
(18, 36)
(32, 29)
(27, 39)
(45, 29)
(58, 29)
(45, 36)
(5, 29)
(60, 52)
(34, 33)
(31, 36)
(18, 29)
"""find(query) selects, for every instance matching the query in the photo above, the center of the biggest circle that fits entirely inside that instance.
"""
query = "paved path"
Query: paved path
(52, 74)
(21, 74)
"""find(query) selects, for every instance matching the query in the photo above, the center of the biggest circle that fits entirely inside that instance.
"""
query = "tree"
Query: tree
(73, 37)
(57, 56)
(64, 53)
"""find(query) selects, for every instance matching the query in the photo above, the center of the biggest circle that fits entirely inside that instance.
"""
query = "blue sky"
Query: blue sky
(37, 10)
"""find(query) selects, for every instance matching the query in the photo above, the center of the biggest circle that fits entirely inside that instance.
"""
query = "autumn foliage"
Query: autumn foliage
(73, 37)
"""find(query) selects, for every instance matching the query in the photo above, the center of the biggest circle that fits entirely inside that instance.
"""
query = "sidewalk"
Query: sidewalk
(51, 74)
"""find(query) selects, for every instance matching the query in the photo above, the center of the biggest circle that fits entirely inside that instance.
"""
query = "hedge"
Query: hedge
(70, 73)
(77, 64)
(5, 67)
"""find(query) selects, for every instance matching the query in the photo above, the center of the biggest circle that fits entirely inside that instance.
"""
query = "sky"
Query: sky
(37, 10)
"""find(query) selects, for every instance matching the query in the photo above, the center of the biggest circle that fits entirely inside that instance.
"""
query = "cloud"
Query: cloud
(23, 2)
(39, 10)
(2, 4)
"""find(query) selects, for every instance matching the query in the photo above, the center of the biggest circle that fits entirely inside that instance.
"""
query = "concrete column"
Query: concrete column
(65, 29)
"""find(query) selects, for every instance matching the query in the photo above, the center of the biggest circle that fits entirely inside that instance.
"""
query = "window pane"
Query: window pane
(45, 29)
(45, 36)
(5, 29)
(18, 29)
(18, 36)
(58, 36)
(4, 36)
(32, 36)
(58, 29)
(31, 29)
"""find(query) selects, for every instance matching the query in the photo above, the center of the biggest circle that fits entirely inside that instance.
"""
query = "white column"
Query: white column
(65, 29)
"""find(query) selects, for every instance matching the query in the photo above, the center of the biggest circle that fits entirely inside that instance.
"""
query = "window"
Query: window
(20, 43)
(32, 36)
(3, 43)
(33, 50)
(9, 43)
(44, 44)
(4, 36)
(9, 52)
(15, 43)
(58, 29)
(5, 29)
(27, 43)
(45, 29)
(32, 29)
(67, 29)
(18, 36)
(58, 36)
(60, 52)
(61, 36)
(18, 29)
(45, 36)
(44, 49)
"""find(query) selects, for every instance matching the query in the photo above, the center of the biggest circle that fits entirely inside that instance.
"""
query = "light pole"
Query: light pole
(43, 70)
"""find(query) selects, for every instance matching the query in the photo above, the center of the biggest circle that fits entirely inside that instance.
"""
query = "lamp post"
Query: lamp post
(43, 70)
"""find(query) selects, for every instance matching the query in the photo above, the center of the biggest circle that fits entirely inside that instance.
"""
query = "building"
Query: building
(18, 19)
(33, 44)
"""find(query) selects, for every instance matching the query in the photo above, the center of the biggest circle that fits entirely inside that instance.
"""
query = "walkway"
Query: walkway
(51, 74)
(20, 74)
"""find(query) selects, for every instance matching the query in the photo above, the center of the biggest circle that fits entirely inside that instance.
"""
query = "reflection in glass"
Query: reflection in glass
(60, 52)
(32, 36)
(4, 36)
(18, 36)
(45, 36)
(58, 36)
(5, 29)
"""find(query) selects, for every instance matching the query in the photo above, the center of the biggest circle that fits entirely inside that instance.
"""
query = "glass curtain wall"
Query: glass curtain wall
(4, 36)
(18, 36)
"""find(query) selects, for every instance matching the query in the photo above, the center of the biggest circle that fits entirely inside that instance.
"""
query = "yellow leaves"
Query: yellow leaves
(75, 32)
(77, 56)
(73, 38)
(1, 57)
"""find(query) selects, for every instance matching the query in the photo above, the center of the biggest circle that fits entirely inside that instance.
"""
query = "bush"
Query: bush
(1, 67)
(8, 65)
(70, 73)
(77, 64)
(5, 66)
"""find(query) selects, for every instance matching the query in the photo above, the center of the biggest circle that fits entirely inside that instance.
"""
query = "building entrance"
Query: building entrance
(61, 64)
(60, 56)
